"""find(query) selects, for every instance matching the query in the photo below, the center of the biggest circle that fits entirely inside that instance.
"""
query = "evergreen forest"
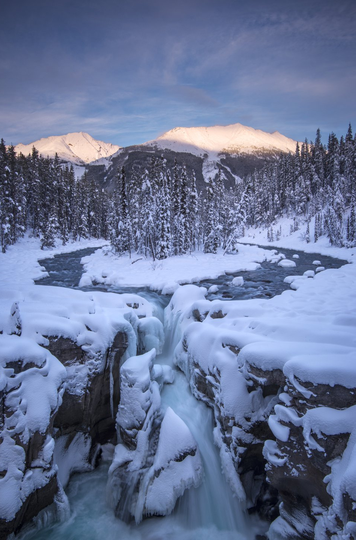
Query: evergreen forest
(159, 212)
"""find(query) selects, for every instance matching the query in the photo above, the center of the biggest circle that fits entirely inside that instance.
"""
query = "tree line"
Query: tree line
(158, 212)
(316, 182)
(42, 197)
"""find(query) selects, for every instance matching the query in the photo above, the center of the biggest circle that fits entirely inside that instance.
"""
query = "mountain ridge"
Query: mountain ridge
(230, 139)
(79, 148)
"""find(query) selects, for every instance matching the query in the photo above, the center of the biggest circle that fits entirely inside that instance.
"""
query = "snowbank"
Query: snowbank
(166, 275)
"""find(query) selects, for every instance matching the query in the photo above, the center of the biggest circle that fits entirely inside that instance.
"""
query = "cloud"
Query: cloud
(148, 65)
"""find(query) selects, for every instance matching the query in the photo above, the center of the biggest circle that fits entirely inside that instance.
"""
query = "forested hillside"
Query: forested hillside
(159, 212)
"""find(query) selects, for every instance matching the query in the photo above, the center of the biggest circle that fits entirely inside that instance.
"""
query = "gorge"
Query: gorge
(265, 368)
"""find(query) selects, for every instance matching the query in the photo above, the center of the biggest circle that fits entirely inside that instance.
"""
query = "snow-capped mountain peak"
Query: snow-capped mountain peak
(233, 139)
(78, 148)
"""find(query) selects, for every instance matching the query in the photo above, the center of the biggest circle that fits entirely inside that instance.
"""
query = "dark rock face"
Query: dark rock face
(302, 480)
(136, 159)
(37, 501)
(90, 411)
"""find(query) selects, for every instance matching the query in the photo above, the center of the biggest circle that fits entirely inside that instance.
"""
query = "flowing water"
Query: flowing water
(209, 511)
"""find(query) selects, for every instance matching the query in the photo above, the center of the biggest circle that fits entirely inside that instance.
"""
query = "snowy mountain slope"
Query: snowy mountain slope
(78, 148)
(233, 139)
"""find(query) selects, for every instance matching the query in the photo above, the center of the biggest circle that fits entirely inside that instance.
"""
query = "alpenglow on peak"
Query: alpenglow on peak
(232, 139)
(78, 148)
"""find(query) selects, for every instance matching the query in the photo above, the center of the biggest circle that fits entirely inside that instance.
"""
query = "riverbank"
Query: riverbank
(20, 267)
(107, 268)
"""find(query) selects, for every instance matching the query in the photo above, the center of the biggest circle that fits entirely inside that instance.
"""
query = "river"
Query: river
(209, 511)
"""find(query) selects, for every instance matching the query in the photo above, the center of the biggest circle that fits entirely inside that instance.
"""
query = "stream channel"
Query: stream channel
(208, 512)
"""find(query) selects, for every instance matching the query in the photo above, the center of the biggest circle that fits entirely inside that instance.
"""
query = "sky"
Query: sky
(126, 71)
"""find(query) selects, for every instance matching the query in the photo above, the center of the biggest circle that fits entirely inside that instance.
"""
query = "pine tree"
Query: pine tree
(163, 225)
(333, 227)
(211, 229)
(193, 216)
(307, 233)
(148, 212)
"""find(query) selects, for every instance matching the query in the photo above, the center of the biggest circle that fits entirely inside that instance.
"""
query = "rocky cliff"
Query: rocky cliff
(61, 353)
(280, 376)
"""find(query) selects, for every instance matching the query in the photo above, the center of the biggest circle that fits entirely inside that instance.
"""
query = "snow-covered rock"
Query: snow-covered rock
(156, 460)
(238, 281)
(280, 376)
(31, 390)
(286, 263)
(176, 467)
(150, 334)
(63, 350)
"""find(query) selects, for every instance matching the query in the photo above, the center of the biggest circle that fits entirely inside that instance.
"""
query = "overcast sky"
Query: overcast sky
(126, 71)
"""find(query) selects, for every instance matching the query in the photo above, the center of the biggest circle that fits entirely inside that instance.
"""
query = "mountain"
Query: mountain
(234, 150)
(77, 148)
(233, 139)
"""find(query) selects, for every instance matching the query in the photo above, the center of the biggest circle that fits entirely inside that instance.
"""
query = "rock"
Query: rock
(90, 398)
(176, 467)
(303, 474)
(156, 460)
(87, 337)
(137, 422)
(285, 415)
(150, 335)
(31, 389)
(286, 263)
(238, 281)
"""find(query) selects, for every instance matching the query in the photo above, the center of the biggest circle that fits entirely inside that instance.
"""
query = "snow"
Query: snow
(33, 392)
(77, 148)
(286, 263)
(170, 475)
(31, 396)
(213, 289)
(234, 138)
(308, 334)
(166, 275)
(163, 374)
(238, 281)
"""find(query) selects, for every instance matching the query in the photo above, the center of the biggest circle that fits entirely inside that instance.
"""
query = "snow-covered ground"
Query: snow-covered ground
(166, 275)
(296, 240)
(308, 333)
(19, 266)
